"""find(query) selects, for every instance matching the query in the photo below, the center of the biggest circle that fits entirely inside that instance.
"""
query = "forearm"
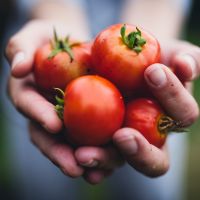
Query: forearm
(66, 17)
(162, 17)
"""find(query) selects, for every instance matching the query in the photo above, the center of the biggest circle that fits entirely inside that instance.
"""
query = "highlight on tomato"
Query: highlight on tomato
(122, 52)
(58, 62)
(93, 110)
(146, 116)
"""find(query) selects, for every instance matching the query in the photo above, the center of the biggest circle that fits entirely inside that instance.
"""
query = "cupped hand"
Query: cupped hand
(93, 163)
(173, 90)
(176, 99)
(21, 47)
(20, 52)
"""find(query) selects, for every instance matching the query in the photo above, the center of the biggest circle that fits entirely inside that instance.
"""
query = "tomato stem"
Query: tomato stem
(166, 124)
(60, 45)
(133, 40)
(59, 107)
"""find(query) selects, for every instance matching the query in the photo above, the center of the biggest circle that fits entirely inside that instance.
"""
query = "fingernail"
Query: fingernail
(128, 144)
(156, 76)
(18, 58)
(91, 163)
(191, 63)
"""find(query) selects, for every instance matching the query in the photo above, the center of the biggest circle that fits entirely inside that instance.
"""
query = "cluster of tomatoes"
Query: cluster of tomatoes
(102, 82)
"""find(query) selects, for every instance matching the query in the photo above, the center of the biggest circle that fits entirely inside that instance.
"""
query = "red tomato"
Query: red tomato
(123, 58)
(60, 69)
(147, 117)
(93, 110)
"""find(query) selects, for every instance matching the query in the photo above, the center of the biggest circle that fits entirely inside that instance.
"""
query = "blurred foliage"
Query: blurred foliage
(97, 192)
(193, 174)
(5, 177)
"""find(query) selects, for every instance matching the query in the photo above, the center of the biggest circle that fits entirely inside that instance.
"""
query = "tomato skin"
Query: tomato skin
(143, 115)
(58, 71)
(93, 110)
(112, 59)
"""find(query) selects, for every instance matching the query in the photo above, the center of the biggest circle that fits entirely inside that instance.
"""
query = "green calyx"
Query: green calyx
(60, 45)
(59, 107)
(133, 40)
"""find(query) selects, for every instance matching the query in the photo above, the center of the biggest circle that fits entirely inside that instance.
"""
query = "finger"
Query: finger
(59, 153)
(33, 105)
(140, 154)
(170, 92)
(104, 158)
(184, 58)
(21, 47)
(187, 67)
(96, 176)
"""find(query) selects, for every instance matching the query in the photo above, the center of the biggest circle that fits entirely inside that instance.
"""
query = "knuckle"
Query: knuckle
(11, 47)
(67, 168)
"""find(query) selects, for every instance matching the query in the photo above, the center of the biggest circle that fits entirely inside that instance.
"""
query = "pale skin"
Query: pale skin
(95, 163)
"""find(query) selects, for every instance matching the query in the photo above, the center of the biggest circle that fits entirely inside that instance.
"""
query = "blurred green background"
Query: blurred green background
(193, 172)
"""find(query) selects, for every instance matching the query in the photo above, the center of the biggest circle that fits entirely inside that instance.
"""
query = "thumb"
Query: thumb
(140, 154)
(21, 61)
(21, 48)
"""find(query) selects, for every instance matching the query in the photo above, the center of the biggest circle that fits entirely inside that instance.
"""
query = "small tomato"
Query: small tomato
(93, 110)
(58, 63)
(146, 116)
(121, 53)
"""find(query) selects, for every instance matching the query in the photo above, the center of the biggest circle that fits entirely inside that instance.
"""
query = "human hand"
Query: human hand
(93, 175)
(93, 163)
(72, 162)
(173, 90)
(44, 120)
(21, 85)
(175, 99)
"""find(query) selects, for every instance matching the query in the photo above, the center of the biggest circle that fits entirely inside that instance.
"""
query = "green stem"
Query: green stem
(133, 40)
(59, 107)
(60, 45)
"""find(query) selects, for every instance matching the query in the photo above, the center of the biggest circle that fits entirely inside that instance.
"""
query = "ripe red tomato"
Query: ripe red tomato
(148, 118)
(93, 110)
(56, 66)
(123, 58)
